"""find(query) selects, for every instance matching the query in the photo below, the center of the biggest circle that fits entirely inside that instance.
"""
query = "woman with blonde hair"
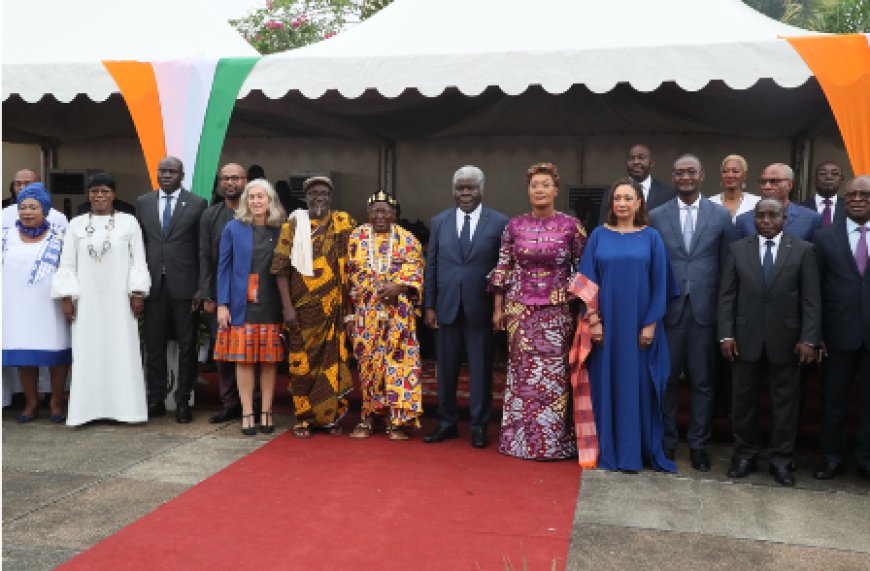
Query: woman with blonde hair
(734, 197)
(249, 305)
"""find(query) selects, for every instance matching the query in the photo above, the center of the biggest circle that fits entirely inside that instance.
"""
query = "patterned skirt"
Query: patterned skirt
(250, 343)
(536, 422)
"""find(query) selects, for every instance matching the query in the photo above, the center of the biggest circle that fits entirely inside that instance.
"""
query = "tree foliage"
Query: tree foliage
(835, 16)
(286, 24)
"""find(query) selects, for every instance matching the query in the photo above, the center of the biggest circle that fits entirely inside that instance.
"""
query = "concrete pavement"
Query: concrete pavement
(66, 489)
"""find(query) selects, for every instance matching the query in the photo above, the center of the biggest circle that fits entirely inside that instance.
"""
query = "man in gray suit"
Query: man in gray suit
(463, 249)
(696, 233)
(769, 321)
(170, 226)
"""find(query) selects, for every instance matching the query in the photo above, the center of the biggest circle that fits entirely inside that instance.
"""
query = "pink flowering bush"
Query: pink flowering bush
(288, 24)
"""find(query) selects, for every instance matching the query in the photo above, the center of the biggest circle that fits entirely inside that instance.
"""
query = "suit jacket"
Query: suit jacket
(698, 270)
(178, 251)
(234, 268)
(450, 280)
(771, 318)
(800, 222)
(659, 193)
(845, 292)
(211, 226)
(839, 210)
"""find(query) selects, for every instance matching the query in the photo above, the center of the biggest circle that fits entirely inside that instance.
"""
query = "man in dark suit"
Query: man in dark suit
(232, 180)
(463, 248)
(828, 180)
(769, 321)
(696, 233)
(841, 249)
(776, 182)
(638, 165)
(170, 226)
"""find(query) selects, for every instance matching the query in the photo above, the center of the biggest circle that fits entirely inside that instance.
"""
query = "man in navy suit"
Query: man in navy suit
(841, 250)
(463, 248)
(828, 180)
(696, 233)
(638, 165)
(776, 182)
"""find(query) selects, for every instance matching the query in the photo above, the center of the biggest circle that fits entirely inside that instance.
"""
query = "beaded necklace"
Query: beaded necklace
(381, 266)
(107, 244)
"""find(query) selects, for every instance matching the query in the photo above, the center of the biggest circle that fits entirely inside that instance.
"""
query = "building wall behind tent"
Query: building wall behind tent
(425, 167)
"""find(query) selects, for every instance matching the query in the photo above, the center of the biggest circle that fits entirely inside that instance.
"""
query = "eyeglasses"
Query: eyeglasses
(857, 195)
(100, 190)
(319, 193)
(768, 215)
(680, 173)
(234, 178)
(771, 181)
(168, 171)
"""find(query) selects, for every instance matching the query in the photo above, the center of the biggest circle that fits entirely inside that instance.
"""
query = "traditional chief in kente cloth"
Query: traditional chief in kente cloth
(385, 275)
(309, 265)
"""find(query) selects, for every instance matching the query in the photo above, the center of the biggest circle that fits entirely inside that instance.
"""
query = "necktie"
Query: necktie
(767, 263)
(465, 236)
(688, 228)
(826, 212)
(861, 250)
(167, 213)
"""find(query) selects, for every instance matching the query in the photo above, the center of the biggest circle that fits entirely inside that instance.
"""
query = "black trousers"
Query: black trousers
(784, 381)
(162, 316)
(837, 374)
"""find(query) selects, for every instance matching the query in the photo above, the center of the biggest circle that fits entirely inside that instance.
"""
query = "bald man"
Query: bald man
(231, 180)
(10, 212)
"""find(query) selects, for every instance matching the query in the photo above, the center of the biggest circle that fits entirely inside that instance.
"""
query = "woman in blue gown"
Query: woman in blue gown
(625, 280)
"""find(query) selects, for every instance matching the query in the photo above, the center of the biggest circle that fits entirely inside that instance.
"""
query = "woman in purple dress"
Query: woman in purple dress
(539, 252)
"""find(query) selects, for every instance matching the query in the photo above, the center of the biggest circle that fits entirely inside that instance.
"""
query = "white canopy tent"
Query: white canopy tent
(430, 45)
(55, 47)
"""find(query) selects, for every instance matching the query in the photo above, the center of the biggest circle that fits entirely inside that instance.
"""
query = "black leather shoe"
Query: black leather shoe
(742, 467)
(479, 438)
(781, 475)
(670, 454)
(156, 409)
(441, 434)
(182, 413)
(227, 414)
(863, 471)
(700, 459)
(828, 470)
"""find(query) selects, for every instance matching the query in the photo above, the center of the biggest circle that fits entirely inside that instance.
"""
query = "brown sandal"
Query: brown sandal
(301, 430)
(334, 430)
(397, 433)
(361, 430)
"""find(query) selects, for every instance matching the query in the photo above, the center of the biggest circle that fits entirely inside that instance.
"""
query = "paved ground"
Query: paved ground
(66, 489)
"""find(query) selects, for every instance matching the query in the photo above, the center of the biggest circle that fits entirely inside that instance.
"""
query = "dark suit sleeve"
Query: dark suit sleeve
(430, 274)
(728, 296)
(225, 267)
(206, 256)
(811, 299)
(730, 235)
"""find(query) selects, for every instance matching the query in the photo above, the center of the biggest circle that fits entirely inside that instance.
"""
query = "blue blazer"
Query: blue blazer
(451, 281)
(845, 292)
(234, 267)
(699, 269)
(800, 222)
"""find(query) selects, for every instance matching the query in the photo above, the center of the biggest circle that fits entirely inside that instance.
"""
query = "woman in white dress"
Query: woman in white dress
(734, 196)
(35, 333)
(102, 282)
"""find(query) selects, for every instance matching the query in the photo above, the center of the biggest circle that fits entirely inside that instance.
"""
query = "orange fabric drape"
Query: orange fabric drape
(138, 87)
(841, 64)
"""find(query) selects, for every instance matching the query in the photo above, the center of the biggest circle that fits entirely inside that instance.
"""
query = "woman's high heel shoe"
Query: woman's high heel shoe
(248, 430)
(267, 427)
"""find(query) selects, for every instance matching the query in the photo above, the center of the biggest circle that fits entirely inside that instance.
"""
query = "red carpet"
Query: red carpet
(333, 503)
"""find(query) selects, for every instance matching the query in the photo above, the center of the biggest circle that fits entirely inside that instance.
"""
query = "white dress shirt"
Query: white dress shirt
(475, 218)
(645, 185)
(161, 204)
(683, 211)
(853, 234)
(820, 205)
(762, 247)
